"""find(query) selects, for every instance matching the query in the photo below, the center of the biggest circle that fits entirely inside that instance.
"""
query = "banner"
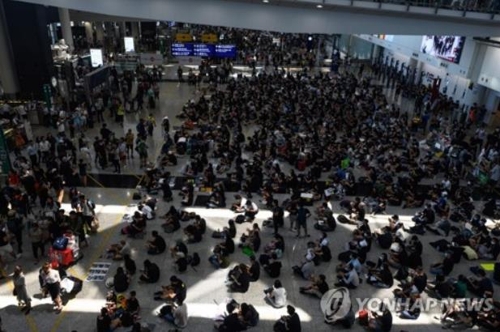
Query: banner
(151, 59)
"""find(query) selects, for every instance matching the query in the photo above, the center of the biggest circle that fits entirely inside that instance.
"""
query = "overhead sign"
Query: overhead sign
(203, 50)
(129, 44)
(96, 57)
(183, 37)
(190, 61)
(151, 59)
(210, 38)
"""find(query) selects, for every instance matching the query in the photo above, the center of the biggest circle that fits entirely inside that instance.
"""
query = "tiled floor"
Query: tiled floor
(205, 285)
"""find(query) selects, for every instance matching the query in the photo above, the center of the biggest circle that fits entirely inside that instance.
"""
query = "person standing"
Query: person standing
(278, 214)
(36, 237)
(15, 227)
(142, 149)
(52, 283)
(82, 170)
(129, 142)
(302, 215)
(151, 124)
(20, 290)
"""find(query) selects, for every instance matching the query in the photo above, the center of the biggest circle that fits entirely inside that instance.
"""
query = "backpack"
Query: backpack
(195, 260)
(240, 219)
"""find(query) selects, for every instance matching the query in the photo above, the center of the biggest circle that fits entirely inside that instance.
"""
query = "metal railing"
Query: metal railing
(483, 6)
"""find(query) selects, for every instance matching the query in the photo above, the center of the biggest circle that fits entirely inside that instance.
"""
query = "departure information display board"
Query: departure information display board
(204, 50)
(182, 49)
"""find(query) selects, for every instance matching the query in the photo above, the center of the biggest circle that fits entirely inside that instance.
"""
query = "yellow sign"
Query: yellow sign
(183, 37)
(209, 38)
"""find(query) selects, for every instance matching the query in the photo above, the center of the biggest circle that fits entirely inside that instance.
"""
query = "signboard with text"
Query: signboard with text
(203, 50)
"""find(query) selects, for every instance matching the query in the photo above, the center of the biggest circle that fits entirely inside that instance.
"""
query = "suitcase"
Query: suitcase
(61, 257)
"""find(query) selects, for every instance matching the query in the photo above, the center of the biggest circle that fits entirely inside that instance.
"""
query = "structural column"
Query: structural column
(135, 30)
(99, 32)
(8, 75)
(66, 28)
(89, 33)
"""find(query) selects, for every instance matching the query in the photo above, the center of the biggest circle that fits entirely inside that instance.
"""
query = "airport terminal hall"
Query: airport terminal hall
(262, 165)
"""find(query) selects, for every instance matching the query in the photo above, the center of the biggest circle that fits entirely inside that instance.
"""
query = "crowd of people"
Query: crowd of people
(318, 138)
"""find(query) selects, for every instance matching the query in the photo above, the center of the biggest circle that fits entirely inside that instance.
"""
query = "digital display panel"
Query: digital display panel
(204, 50)
(448, 48)
(225, 51)
(182, 49)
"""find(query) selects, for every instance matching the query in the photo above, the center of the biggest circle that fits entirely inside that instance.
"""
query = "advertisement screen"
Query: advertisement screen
(129, 44)
(96, 57)
(448, 48)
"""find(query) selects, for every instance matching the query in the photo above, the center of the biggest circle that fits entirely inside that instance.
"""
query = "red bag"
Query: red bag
(363, 317)
(61, 257)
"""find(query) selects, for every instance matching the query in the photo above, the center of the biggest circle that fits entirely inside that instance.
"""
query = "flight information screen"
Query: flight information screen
(204, 50)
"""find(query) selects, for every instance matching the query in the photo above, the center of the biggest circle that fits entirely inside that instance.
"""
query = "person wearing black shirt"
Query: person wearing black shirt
(481, 285)
(233, 323)
(120, 280)
(278, 214)
(179, 288)
(254, 269)
(292, 321)
(104, 321)
(241, 282)
(318, 287)
(249, 315)
(445, 267)
(150, 273)
(133, 306)
(420, 279)
(228, 245)
(273, 267)
(157, 245)
(382, 323)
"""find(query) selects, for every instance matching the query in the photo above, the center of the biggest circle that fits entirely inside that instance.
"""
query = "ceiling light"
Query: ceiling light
(319, 6)
(265, 1)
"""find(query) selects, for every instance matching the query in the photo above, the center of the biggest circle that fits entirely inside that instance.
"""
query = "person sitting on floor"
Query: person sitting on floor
(348, 278)
(136, 227)
(276, 295)
(150, 273)
(271, 265)
(119, 250)
(381, 278)
(239, 279)
(249, 315)
(318, 286)
(156, 245)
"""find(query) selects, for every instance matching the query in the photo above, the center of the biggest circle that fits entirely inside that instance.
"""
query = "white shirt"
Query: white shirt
(147, 211)
(44, 146)
(279, 296)
(52, 277)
